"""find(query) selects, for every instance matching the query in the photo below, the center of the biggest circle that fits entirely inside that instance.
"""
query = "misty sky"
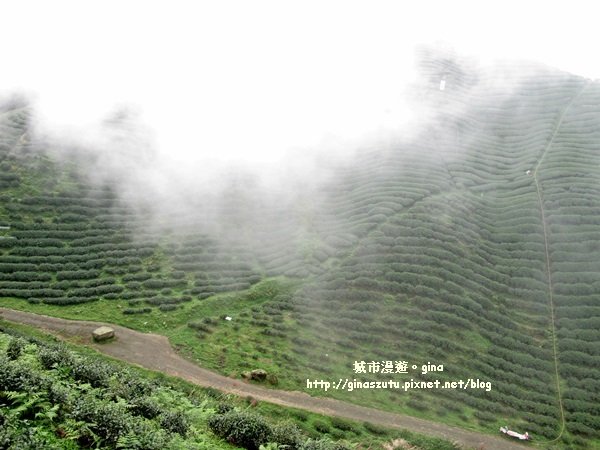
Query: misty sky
(252, 80)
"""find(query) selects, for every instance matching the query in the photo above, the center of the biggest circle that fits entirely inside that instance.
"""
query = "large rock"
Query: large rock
(103, 333)
(258, 375)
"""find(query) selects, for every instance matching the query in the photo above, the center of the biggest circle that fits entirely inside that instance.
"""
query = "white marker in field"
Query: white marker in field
(442, 84)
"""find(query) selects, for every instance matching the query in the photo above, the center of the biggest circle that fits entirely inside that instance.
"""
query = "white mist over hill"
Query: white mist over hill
(251, 82)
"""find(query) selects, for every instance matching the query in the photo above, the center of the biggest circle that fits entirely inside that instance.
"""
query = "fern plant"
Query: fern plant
(31, 405)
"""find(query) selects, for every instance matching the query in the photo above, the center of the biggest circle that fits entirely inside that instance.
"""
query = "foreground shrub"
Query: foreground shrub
(129, 386)
(146, 407)
(106, 420)
(143, 436)
(97, 373)
(58, 355)
(287, 434)
(241, 428)
(14, 436)
(175, 422)
(18, 376)
(15, 347)
(321, 426)
(342, 424)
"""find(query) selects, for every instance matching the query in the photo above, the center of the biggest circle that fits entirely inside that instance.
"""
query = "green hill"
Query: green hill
(474, 245)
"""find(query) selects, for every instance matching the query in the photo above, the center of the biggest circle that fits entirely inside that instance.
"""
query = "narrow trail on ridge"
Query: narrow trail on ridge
(548, 261)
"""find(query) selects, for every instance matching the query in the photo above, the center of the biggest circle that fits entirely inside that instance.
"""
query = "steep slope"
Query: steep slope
(453, 264)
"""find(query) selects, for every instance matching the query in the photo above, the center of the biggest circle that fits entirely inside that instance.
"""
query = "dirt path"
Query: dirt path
(545, 228)
(155, 352)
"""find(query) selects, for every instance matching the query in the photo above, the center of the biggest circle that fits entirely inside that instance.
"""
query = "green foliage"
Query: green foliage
(287, 434)
(107, 420)
(321, 426)
(342, 424)
(55, 355)
(175, 422)
(146, 407)
(15, 347)
(30, 405)
(71, 401)
(165, 308)
(130, 311)
(485, 416)
(83, 402)
(143, 436)
(94, 372)
(241, 428)
(130, 386)
(375, 429)
(17, 376)
(15, 437)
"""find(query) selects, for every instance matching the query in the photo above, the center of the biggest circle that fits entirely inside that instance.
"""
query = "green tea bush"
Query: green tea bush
(146, 407)
(15, 347)
(342, 424)
(287, 434)
(137, 310)
(56, 355)
(321, 426)
(142, 435)
(94, 372)
(374, 429)
(175, 422)
(17, 376)
(166, 308)
(241, 428)
(107, 420)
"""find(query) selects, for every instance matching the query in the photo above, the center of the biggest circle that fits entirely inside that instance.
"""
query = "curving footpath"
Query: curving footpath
(545, 228)
(154, 352)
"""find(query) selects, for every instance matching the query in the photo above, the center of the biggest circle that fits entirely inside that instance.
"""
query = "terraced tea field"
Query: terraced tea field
(474, 246)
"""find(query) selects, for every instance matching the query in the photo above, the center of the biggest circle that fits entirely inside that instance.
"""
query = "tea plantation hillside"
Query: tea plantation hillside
(474, 245)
